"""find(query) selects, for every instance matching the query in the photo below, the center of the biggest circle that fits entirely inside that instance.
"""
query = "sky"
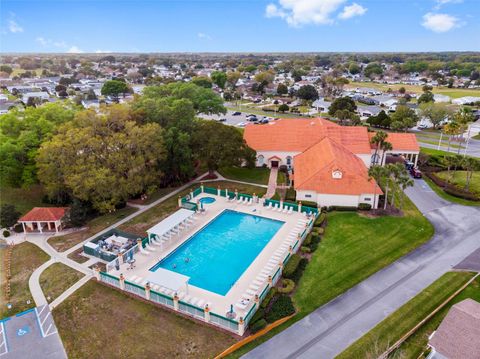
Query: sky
(239, 26)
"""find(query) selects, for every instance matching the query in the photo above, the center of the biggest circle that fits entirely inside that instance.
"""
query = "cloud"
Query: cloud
(439, 22)
(318, 12)
(103, 51)
(74, 50)
(49, 43)
(440, 3)
(14, 27)
(202, 35)
(352, 11)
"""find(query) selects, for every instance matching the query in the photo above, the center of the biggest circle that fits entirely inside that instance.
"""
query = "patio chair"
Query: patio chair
(250, 201)
(240, 306)
(240, 200)
(269, 207)
(257, 282)
(254, 287)
(290, 210)
(285, 209)
(279, 209)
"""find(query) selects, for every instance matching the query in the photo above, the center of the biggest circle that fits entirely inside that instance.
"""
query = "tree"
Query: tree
(435, 112)
(380, 120)
(218, 145)
(464, 116)
(376, 173)
(332, 86)
(202, 81)
(282, 89)
(307, 93)
(402, 90)
(233, 77)
(265, 77)
(378, 140)
(471, 165)
(345, 115)
(452, 128)
(8, 216)
(353, 68)
(219, 78)
(426, 97)
(102, 158)
(342, 103)
(283, 108)
(403, 118)
(114, 88)
(373, 69)
(7, 69)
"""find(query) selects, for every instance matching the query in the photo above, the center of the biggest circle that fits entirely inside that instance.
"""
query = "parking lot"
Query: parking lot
(31, 334)
(231, 119)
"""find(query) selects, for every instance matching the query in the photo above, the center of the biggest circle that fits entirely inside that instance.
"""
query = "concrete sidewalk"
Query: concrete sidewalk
(272, 183)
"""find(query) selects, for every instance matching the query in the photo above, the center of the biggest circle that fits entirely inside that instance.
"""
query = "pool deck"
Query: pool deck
(219, 304)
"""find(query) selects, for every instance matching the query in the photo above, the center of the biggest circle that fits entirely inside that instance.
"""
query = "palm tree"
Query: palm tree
(404, 182)
(451, 129)
(388, 171)
(385, 146)
(471, 165)
(377, 140)
(448, 161)
(376, 173)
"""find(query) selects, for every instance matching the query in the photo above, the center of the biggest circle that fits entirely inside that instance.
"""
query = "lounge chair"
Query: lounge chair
(269, 207)
(138, 280)
(241, 306)
(257, 282)
(247, 296)
(285, 209)
(194, 300)
(279, 209)
(254, 287)
(200, 303)
(132, 278)
(250, 201)
(290, 210)
(251, 292)
(240, 199)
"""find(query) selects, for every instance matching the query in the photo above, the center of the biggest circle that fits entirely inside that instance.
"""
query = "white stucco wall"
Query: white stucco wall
(282, 155)
(366, 158)
(344, 200)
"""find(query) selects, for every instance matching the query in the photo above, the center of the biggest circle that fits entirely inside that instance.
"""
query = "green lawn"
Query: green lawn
(147, 219)
(99, 322)
(452, 92)
(459, 179)
(256, 111)
(476, 137)
(26, 257)
(62, 243)
(444, 142)
(447, 196)
(434, 152)
(254, 175)
(354, 247)
(391, 329)
(24, 199)
(57, 278)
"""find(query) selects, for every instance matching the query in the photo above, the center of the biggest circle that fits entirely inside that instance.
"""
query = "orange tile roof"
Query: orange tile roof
(314, 167)
(44, 214)
(400, 141)
(296, 135)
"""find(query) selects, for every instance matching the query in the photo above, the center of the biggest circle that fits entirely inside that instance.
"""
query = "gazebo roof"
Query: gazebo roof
(171, 221)
(44, 214)
(168, 279)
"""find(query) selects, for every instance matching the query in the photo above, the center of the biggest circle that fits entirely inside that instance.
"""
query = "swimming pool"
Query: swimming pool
(216, 256)
(207, 200)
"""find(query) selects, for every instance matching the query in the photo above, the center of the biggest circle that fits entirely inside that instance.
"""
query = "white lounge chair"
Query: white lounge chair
(132, 278)
(250, 202)
(269, 207)
(240, 200)
(240, 306)
(257, 282)
(279, 209)
(247, 296)
(251, 292)
(200, 303)
(276, 207)
(254, 287)
(290, 210)
(285, 209)
(138, 280)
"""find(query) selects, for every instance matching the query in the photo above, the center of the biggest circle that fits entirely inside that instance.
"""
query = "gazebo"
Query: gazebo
(43, 219)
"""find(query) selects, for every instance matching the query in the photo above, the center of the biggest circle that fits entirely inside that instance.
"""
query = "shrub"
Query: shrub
(6, 233)
(365, 206)
(271, 293)
(258, 325)
(281, 308)
(320, 230)
(314, 243)
(309, 204)
(18, 228)
(308, 240)
(299, 272)
(291, 265)
(287, 286)
(341, 208)
(320, 219)
(305, 249)
(259, 314)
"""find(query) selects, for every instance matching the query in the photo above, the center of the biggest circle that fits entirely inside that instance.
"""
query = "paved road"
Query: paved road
(473, 148)
(333, 327)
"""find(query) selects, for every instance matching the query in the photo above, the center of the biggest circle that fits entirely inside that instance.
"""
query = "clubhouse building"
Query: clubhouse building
(328, 163)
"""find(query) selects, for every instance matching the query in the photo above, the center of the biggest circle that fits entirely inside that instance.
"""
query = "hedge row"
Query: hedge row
(451, 188)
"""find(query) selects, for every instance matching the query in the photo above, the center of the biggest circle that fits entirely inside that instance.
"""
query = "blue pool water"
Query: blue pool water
(222, 250)
(207, 200)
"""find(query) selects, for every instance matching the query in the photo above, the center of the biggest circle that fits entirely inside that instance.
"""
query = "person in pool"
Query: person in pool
(174, 266)
(187, 260)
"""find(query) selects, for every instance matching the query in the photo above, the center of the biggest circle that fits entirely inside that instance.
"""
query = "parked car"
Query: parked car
(252, 119)
(264, 121)
(409, 165)
(236, 113)
(222, 119)
(416, 173)
(241, 124)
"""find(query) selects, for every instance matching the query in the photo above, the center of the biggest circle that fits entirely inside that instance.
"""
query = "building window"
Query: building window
(260, 160)
(289, 160)
(308, 196)
(368, 199)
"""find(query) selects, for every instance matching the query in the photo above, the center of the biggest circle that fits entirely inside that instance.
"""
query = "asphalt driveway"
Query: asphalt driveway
(330, 329)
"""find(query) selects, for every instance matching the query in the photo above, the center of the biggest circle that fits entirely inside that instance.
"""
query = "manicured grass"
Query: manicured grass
(459, 178)
(345, 257)
(24, 199)
(416, 344)
(391, 329)
(476, 137)
(434, 152)
(62, 243)
(444, 143)
(256, 111)
(447, 196)
(26, 257)
(452, 92)
(254, 175)
(100, 322)
(77, 256)
(147, 219)
(57, 278)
